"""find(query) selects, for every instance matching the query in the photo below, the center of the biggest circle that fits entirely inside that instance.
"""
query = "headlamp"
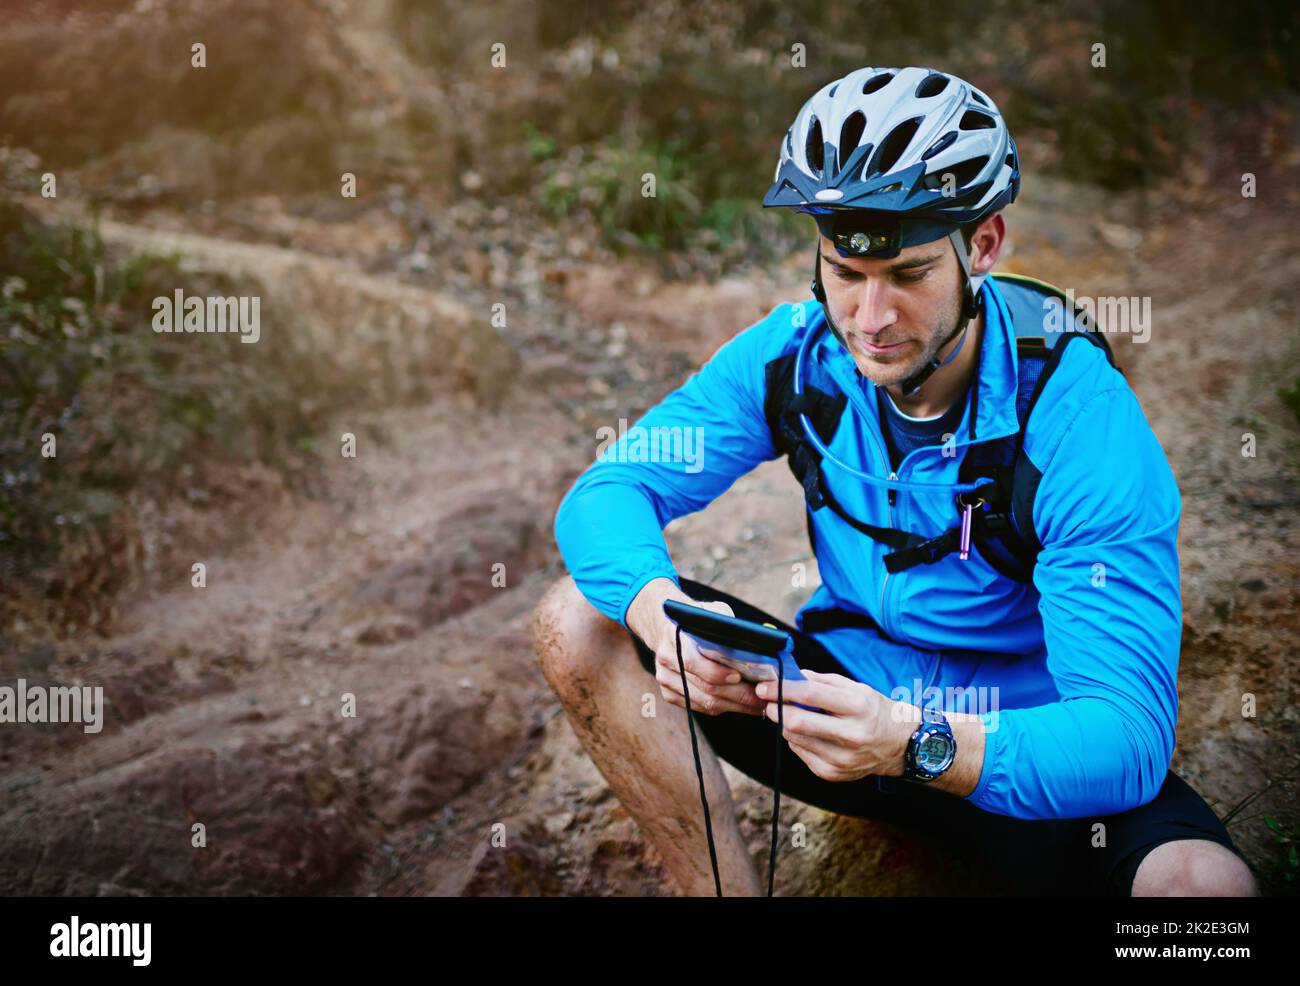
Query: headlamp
(864, 243)
(882, 235)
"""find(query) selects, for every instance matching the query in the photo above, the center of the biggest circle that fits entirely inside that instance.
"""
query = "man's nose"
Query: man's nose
(875, 311)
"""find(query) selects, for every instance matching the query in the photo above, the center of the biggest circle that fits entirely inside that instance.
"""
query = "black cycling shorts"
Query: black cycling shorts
(1039, 857)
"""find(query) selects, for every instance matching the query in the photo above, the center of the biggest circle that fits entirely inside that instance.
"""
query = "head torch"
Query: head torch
(877, 235)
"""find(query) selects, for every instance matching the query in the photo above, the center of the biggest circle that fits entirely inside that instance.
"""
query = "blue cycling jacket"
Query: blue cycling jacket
(1078, 669)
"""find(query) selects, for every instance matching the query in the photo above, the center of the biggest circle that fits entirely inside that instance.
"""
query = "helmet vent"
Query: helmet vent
(866, 154)
(976, 96)
(876, 83)
(932, 85)
(975, 120)
(962, 174)
(893, 146)
(813, 149)
(850, 134)
(939, 145)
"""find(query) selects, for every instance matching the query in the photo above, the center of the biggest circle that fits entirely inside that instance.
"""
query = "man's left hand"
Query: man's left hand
(858, 732)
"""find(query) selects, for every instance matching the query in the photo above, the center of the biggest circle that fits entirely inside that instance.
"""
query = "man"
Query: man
(963, 552)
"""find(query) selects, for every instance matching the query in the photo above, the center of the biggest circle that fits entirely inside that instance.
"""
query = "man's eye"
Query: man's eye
(845, 275)
(912, 278)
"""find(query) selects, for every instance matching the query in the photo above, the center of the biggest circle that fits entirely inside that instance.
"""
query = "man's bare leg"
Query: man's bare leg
(592, 665)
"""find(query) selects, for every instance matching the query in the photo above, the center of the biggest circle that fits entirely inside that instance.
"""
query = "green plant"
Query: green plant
(1288, 842)
(647, 192)
(1291, 397)
(540, 146)
(609, 185)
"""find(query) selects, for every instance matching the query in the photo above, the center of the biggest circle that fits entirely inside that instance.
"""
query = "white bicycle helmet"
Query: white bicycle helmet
(883, 140)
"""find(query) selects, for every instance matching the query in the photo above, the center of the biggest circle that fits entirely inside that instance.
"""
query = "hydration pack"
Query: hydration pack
(1002, 505)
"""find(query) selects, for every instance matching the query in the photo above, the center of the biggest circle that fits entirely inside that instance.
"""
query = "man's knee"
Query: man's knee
(569, 632)
(1193, 868)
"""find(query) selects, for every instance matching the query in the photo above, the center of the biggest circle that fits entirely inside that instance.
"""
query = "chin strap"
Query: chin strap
(969, 309)
(913, 383)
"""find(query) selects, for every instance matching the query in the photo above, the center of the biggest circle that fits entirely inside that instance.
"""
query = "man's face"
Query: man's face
(895, 314)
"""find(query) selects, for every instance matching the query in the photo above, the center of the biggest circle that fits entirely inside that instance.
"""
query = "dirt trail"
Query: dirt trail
(225, 703)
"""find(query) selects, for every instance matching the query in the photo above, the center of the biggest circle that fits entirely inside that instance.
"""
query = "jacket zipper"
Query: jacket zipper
(893, 499)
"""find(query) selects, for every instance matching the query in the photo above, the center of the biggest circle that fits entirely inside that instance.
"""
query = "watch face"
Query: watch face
(933, 751)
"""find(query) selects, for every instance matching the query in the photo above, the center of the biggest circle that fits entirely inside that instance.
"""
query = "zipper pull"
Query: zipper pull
(968, 509)
(893, 494)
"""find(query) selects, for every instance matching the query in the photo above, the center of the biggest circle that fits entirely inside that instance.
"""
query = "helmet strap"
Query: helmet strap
(970, 283)
(819, 293)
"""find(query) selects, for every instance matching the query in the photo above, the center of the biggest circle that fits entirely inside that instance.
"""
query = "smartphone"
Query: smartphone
(753, 650)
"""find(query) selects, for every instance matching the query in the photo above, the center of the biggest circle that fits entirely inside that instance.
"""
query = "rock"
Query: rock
(845, 856)
(562, 822)
(1119, 237)
(388, 631)
(623, 862)
(517, 869)
(437, 740)
(448, 570)
(276, 818)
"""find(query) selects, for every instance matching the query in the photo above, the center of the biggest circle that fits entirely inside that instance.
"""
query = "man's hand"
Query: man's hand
(860, 732)
(714, 688)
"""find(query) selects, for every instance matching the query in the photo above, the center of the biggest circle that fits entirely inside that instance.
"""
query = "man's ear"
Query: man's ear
(986, 243)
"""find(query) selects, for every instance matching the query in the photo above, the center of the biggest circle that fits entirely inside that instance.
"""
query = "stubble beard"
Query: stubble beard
(889, 369)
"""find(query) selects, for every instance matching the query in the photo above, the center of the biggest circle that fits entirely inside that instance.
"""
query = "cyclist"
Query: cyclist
(991, 514)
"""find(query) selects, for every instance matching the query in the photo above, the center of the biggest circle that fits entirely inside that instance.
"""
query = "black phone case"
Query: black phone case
(727, 631)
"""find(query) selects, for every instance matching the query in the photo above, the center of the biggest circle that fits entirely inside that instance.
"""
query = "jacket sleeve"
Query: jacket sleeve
(676, 459)
(1107, 514)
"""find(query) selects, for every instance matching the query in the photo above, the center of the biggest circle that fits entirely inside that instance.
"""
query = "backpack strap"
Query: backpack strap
(1025, 299)
(1004, 530)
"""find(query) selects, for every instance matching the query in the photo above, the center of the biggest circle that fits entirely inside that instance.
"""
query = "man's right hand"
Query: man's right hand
(714, 687)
